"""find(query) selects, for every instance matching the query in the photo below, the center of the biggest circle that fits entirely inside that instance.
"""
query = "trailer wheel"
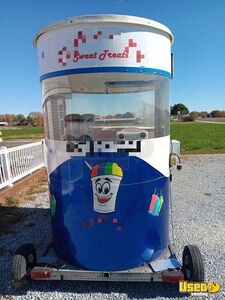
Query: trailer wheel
(24, 259)
(193, 266)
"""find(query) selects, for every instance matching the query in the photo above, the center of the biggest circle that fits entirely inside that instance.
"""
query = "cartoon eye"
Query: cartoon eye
(106, 188)
(98, 187)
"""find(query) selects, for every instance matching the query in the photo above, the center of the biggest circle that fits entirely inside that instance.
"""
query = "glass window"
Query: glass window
(119, 110)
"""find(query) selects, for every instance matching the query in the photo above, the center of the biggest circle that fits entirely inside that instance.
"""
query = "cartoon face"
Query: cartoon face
(105, 180)
(103, 190)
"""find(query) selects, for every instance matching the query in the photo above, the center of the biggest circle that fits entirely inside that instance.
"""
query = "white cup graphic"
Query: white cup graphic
(105, 180)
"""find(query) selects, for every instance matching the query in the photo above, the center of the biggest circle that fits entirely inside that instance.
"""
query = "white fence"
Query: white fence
(17, 162)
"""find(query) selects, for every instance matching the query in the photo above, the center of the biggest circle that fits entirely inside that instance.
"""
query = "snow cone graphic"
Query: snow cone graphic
(105, 180)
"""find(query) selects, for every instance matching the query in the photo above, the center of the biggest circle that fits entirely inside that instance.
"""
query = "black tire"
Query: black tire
(24, 260)
(193, 266)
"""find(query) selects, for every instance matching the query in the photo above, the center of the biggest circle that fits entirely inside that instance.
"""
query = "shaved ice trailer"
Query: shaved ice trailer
(105, 90)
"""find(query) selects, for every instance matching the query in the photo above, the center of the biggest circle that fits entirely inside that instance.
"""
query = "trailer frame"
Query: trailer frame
(165, 269)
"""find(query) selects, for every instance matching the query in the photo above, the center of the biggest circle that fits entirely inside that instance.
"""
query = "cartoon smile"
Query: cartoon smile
(105, 179)
(104, 200)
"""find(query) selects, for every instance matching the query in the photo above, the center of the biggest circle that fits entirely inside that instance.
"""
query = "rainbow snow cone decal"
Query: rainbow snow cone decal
(105, 180)
(155, 205)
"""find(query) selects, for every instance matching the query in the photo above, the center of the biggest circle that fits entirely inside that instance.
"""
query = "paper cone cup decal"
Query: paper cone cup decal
(105, 180)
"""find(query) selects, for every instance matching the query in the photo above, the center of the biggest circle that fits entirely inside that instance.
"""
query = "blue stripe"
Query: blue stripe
(105, 70)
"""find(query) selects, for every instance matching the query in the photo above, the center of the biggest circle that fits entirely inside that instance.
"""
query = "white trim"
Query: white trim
(95, 19)
(156, 153)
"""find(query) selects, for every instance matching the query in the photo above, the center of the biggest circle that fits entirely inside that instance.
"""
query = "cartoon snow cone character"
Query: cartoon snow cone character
(105, 180)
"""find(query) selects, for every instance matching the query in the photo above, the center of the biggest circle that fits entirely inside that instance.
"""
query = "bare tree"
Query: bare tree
(35, 119)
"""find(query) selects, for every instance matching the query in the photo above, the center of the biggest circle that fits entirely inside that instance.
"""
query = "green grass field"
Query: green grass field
(195, 138)
(199, 138)
(31, 133)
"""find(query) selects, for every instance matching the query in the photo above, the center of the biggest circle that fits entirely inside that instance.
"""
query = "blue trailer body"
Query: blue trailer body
(126, 238)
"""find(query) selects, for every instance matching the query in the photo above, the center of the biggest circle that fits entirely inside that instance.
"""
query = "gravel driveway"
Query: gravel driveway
(199, 218)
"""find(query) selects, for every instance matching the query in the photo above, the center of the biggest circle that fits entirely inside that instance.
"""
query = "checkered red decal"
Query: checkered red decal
(139, 56)
(101, 220)
(81, 37)
(64, 55)
(97, 35)
(132, 43)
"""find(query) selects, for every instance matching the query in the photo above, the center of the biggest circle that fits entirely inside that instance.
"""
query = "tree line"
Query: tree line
(181, 112)
(34, 119)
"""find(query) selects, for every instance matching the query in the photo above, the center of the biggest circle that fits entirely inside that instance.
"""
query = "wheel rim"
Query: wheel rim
(193, 266)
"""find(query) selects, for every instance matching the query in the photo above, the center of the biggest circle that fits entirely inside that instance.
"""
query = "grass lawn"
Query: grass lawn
(199, 138)
(23, 133)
